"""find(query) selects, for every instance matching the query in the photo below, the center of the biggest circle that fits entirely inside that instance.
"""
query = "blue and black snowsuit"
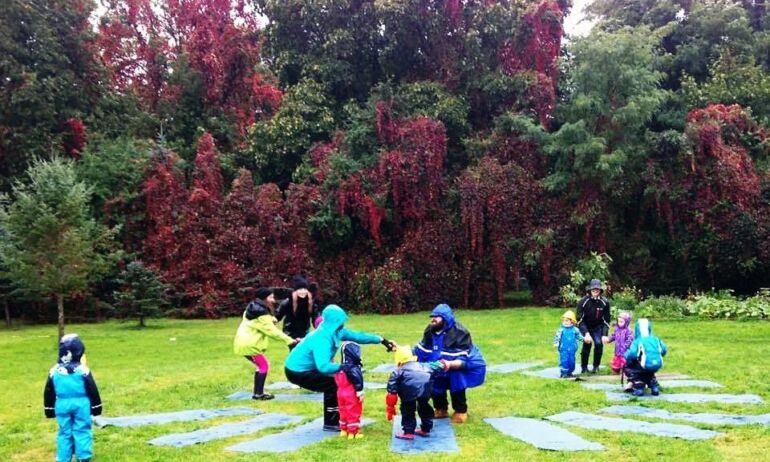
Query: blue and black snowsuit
(567, 339)
(644, 357)
(413, 383)
(72, 397)
(451, 343)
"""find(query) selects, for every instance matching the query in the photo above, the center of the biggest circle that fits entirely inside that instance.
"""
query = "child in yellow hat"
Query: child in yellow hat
(412, 382)
(566, 340)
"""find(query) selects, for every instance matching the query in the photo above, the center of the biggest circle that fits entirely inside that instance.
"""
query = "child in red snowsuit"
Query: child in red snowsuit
(350, 390)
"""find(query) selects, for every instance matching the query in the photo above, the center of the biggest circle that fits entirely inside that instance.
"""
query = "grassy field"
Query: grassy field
(176, 365)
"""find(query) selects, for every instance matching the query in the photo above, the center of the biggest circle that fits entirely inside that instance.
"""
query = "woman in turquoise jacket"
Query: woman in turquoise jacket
(311, 364)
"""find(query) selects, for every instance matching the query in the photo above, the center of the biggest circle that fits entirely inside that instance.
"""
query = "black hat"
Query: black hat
(298, 282)
(263, 292)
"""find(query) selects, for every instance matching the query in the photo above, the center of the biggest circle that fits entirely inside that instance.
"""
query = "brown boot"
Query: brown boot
(440, 414)
(459, 417)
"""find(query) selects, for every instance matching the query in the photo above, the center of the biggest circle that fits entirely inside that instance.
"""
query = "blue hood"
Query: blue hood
(351, 354)
(445, 312)
(334, 318)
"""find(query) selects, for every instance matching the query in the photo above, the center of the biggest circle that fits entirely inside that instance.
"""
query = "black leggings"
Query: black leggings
(315, 381)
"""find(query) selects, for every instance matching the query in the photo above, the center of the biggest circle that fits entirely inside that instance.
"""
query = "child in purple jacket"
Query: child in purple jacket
(623, 336)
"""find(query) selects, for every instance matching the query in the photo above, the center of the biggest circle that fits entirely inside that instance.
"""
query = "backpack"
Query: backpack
(650, 353)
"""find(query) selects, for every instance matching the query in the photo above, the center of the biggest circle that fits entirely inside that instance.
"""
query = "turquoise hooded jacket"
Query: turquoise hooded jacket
(316, 351)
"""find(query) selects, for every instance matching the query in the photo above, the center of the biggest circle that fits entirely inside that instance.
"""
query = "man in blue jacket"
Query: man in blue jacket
(311, 364)
(447, 339)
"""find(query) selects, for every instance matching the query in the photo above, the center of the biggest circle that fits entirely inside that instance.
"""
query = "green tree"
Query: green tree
(53, 247)
(142, 294)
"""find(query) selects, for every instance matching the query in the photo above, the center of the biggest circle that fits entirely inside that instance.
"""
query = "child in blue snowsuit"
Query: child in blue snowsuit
(644, 357)
(566, 340)
(72, 397)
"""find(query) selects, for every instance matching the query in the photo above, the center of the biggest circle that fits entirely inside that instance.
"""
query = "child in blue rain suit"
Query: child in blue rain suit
(566, 340)
(72, 397)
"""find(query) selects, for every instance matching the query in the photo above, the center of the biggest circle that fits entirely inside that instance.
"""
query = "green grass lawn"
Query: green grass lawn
(177, 365)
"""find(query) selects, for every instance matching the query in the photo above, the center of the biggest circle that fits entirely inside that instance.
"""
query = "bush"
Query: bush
(596, 266)
(625, 299)
(666, 306)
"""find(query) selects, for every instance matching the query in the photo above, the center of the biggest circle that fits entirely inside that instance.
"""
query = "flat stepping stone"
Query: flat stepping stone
(614, 424)
(291, 386)
(441, 439)
(690, 398)
(180, 440)
(550, 373)
(246, 395)
(703, 418)
(541, 434)
(616, 378)
(512, 367)
(290, 440)
(663, 383)
(384, 369)
(169, 417)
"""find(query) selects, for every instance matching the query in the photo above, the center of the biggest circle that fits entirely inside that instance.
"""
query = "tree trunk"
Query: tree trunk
(60, 306)
(7, 314)
(141, 320)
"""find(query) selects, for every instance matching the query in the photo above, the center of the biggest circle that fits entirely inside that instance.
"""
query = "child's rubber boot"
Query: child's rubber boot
(405, 436)
(638, 391)
(421, 432)
(355, 436)
(343, 434)
(459, 417)
(655, 388)
(441, 414)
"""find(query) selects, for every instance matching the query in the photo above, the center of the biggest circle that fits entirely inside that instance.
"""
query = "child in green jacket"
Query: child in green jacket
(252, 338)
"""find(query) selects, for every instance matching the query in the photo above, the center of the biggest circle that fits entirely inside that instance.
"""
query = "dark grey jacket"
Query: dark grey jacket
(413, 380)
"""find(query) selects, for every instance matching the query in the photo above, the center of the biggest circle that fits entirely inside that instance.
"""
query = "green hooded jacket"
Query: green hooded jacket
(316, 351)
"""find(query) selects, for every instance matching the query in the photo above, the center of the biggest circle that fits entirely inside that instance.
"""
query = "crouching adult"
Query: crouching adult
(447, 339)
(311, 364)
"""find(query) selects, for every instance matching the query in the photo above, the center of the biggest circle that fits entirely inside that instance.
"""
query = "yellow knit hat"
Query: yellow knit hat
(404, 354)
(569, 315)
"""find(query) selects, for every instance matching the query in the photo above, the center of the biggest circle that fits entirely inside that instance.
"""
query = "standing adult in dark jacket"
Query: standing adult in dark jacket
(298, 311)
(447, 339)
(593, 313)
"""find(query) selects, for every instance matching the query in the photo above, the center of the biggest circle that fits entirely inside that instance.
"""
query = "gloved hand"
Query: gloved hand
(49, 413)
(390, 401)
(389, 345)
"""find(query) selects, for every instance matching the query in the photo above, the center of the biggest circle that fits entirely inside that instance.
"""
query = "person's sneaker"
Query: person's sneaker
(583, 370)
(441, 414)
(405, 436)
(459, 417)
(655, 390)
(343, 434)
(331, 428)
(262, 397)
(638, 392)
(421, 432)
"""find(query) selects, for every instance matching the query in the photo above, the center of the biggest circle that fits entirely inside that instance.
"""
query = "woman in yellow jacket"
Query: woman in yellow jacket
(252, 338)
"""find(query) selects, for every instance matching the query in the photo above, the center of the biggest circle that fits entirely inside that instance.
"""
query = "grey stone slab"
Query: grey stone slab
(541, 434)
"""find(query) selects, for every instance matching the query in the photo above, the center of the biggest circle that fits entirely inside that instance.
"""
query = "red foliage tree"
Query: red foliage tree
(496, 210)
(140, 42)
(75, 137)
(165, 201)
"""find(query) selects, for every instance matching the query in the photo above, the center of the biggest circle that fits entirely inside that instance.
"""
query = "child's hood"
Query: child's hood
(628, 318)
(351, 353)
(643, 328)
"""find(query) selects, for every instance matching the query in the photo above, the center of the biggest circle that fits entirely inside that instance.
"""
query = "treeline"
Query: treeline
(399, 153)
